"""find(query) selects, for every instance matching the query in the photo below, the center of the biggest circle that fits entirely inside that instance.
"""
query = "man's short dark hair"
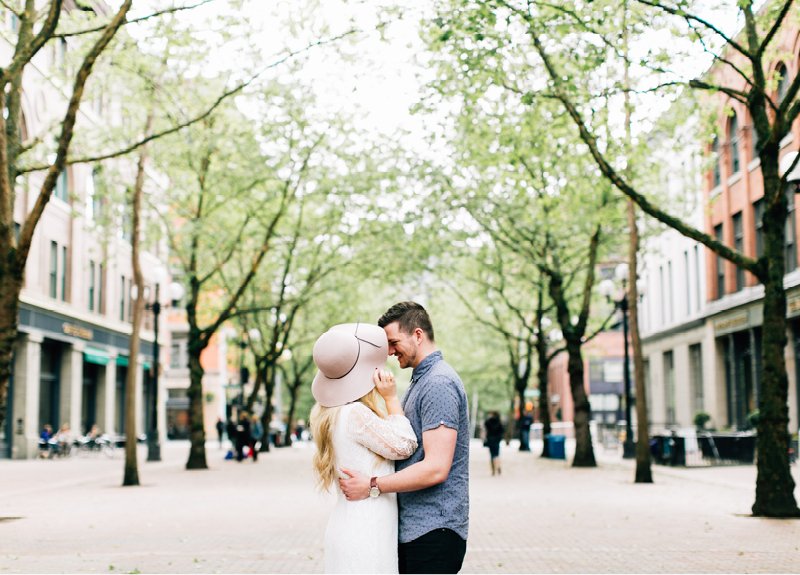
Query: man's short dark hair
(409, 316)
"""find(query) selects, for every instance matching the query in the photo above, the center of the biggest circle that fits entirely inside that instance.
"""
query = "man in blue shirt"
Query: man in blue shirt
(433, 484)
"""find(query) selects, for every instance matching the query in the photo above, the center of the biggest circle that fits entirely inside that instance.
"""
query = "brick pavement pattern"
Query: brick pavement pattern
(539, 516)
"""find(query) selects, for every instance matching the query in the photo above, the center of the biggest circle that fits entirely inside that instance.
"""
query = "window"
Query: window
(758, 209)
(53, 269)
(688, 284)
(61, 187)
(696, 376)
(669, 387)
(63, 273)
(738, 244)
(733, 135)
(720, 264)
(100, 306)
(671, 292)
(663, 298)
(122, 298)
(697, 275)
(92, 201)
(717, 174)
(783, 82)
(91, 286)
(790, 242)
(128, 293)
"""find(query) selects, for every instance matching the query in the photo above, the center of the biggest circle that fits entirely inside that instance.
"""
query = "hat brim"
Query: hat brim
(355, 385)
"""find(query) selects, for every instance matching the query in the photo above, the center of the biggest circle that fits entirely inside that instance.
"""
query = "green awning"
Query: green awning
(147, 365)
(122, 360)
(96, 355)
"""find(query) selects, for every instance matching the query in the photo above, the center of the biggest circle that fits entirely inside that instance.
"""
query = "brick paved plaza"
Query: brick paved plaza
(539, 516)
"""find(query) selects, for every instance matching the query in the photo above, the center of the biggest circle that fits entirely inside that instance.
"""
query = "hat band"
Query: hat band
(354, 364)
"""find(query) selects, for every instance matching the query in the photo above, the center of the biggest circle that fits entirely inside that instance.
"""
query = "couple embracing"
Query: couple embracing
(400, 467)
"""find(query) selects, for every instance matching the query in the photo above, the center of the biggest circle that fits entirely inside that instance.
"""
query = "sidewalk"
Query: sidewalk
(539, 516)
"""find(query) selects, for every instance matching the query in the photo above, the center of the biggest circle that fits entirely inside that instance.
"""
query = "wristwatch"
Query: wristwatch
(374, 490)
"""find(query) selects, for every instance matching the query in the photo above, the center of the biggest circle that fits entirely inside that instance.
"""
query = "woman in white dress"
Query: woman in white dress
(353, 428)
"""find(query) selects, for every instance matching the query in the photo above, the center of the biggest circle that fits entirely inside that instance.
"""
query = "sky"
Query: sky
(381, 79)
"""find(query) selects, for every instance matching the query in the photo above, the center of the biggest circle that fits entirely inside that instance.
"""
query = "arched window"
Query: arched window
(783, 82)
(733, 136)
(715, 151)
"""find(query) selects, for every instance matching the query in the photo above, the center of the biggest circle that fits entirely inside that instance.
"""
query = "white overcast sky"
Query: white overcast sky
(381, 80)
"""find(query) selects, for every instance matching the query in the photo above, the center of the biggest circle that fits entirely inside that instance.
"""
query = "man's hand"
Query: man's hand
(356, 487)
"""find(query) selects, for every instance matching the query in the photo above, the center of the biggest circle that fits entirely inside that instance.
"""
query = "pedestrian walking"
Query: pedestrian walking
(220, 429)
(256, 434)
(242, 435)
(494, 435)
(525, 422)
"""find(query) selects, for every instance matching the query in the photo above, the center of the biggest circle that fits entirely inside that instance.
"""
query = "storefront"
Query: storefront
(68, 371)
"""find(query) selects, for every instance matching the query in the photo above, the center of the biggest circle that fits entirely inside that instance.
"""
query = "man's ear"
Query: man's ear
(419, 335)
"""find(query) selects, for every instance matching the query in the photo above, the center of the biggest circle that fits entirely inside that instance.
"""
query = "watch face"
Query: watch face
(374, 492)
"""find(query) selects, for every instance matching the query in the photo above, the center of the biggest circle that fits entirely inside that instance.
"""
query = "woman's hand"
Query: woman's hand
(384, 382)
(386, 386)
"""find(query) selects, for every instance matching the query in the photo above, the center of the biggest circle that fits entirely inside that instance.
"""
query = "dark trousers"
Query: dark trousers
(253, 449)
(438, 551)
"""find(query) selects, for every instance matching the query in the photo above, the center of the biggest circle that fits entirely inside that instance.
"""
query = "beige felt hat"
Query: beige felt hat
(347, 356)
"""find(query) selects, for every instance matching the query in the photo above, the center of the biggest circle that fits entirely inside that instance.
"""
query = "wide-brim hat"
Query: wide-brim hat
(347, 356)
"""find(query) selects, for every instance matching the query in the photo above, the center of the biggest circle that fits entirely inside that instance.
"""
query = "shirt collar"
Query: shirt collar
(426, 364)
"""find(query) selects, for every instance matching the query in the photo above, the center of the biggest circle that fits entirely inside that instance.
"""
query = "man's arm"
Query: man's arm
(439, 445)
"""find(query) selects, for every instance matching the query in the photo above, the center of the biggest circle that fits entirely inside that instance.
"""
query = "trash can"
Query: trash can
(558, 446)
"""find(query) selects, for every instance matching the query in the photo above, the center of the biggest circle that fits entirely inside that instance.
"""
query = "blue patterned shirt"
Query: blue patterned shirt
(436, 397)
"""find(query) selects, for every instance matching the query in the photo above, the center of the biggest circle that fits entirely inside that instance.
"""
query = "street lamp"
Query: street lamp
(176, 292)
(607, 288)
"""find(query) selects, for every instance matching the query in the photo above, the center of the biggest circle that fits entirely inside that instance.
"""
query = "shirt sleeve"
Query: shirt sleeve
(439, 405)
(392, 438)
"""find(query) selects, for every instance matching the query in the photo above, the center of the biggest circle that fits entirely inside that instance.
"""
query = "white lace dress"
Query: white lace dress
(362, 535)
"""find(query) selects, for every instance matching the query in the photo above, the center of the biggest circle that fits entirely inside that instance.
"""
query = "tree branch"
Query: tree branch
(590, 140)
(707, 24)
(232, 92)
(172, 10)
(67, 132)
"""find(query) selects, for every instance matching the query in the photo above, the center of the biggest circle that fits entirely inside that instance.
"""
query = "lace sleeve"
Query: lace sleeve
(391, 438)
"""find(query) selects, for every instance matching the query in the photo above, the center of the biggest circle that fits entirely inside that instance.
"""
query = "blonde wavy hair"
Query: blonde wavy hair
(323, 423)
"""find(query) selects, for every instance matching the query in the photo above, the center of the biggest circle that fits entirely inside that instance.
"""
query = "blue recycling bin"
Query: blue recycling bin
(558, 446)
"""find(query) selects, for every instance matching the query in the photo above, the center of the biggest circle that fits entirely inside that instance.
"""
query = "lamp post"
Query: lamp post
(176, 292)
(607, 289)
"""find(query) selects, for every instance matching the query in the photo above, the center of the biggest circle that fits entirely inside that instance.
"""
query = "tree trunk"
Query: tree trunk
(293, 393)
(544, 396)
(643, 471)
(266, 417)
(11, 281)
(584, 452)
(131, 464)
(197, 433)
(774, 483)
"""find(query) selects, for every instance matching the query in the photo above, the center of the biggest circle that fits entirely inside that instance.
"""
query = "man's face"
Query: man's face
(401, 345)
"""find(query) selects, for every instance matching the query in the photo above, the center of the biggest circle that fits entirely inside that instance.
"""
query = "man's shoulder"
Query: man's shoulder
(442, 378)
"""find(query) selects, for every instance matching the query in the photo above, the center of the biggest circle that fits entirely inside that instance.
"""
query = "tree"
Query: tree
(502, 285)
(519, 180)
(36, 29)
(742, 72)
(228, 197)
